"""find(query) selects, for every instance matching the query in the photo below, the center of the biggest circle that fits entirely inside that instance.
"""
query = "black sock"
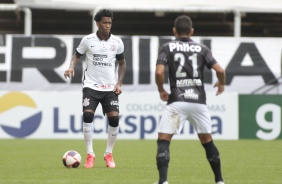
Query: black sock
(162, 159)
(214, 160)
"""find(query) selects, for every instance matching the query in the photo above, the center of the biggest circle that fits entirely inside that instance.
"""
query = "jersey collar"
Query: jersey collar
(101, 38)
(184, 39)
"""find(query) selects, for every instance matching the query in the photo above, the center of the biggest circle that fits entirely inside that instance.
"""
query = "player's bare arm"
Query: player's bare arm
(70, 71)
(159, 73)
(121, 73)
(220, 73)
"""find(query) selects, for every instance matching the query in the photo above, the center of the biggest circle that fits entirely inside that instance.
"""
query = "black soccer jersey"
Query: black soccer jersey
(186, 60)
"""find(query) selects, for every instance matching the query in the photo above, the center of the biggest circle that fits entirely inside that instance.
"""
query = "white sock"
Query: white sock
(112, 136)
(88, 132)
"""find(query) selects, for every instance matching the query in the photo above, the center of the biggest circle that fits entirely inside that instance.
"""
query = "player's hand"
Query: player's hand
(69, 72)
(220, 88)
(164, 95)
(117, 89)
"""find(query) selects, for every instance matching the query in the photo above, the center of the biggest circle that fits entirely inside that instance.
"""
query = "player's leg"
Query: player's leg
(110, 105)
(171, 123)
(212, 155)
(89, 107)
(113, 129)
(87, 133)
(200, 119)
(163, 156)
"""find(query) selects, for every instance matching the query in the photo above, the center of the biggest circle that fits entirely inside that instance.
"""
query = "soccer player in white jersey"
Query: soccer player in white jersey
(186, 60)
(102, 50)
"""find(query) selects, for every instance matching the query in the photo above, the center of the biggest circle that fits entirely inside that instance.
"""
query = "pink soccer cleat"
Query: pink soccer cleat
(89, 161)
(109, 160)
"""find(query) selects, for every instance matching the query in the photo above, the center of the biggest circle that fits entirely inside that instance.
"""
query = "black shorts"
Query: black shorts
(108, 99)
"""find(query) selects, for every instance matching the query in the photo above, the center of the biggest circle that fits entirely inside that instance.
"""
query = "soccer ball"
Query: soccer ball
(71, 159)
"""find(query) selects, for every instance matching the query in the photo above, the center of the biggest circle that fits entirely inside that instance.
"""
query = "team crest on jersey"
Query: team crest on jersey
(113, 47)
(86, 102)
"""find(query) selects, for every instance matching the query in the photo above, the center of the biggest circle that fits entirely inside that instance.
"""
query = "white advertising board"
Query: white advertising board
(58, 115)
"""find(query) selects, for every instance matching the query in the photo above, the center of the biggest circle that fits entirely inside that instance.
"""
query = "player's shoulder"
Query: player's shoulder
(115, 38)
(168, 42)
(192, 42)
(90, 36)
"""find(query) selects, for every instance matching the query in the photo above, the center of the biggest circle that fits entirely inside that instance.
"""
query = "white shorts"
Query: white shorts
(176, 113)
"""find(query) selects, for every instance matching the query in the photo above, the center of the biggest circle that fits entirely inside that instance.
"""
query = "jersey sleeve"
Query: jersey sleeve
(120, 49)
(81, 49)
(162, 57)
(210, 60)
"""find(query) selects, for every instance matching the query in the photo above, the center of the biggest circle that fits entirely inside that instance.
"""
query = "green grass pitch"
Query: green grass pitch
(40, 161)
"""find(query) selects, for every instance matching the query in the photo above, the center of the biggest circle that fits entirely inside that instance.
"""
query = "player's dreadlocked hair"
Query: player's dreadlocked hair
(183, 24)
(103, 13)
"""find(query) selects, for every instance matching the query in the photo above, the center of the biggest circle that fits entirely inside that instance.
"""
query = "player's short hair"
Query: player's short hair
(183, 24)
(103, 13)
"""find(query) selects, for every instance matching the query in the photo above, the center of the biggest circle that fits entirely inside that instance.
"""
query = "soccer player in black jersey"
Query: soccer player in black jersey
(186, 60)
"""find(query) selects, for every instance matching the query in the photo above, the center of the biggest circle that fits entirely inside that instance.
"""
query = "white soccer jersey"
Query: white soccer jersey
(100, 61)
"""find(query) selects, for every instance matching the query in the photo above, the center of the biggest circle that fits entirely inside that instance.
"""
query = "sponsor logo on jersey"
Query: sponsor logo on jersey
(103, 86)
(100, 56)
(190, 94)
(114, 102)
(188, 82)
(97, 63)
(184, 47)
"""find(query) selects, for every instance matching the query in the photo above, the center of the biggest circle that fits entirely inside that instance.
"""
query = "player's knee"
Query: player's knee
(113, 121)
(88, 117)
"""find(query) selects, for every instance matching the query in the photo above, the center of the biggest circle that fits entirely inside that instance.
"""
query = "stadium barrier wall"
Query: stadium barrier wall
(53, 114)
(260, 117)
(249, 62)
(48, 106)
(58, 115)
